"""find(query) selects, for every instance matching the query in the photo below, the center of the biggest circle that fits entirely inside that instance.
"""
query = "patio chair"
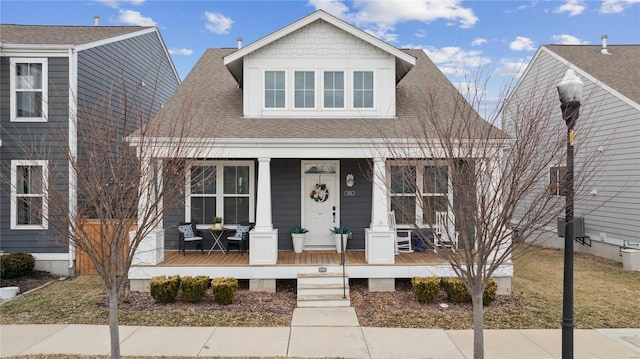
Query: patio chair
(444, 233)
(402, 236)
(189, 234)
(240, 239)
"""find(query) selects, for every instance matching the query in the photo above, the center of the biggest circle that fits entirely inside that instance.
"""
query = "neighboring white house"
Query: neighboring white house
(300, 108)
(607, 139)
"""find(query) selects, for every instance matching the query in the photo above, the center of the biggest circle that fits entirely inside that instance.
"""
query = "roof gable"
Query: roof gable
(234, 61)
(618, 69)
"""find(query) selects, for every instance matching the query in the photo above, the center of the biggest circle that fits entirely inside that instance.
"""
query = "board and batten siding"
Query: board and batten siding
(607, 151)
(41, 136)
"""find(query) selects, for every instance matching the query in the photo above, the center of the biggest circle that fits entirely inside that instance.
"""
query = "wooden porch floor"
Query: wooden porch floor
(286, 258)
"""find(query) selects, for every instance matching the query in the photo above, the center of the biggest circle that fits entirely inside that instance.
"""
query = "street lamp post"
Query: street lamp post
(570, 92)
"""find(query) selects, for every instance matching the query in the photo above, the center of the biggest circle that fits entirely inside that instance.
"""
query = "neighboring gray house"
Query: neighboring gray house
(299, 115)
(607, 139)
(51, 77)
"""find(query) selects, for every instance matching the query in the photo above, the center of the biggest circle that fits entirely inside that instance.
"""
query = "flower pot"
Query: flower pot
(298, 242)
(344, 244)
(8, 292)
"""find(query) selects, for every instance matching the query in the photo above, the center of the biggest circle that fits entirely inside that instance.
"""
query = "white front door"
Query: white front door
(320, 202)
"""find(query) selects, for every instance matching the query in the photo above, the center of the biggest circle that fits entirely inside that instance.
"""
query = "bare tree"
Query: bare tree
(126, 190)
(489, 183)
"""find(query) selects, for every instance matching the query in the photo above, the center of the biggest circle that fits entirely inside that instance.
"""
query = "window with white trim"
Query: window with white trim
(220, 189)
(274, 89)
(29, 180)
(28, 83)
(363, 89)
(427, 182)
(304, 89)
(334, 89)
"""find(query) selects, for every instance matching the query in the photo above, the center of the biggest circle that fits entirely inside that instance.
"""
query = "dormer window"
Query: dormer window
(274, 89)
(334, 89)
(363, 89)
(304, 89)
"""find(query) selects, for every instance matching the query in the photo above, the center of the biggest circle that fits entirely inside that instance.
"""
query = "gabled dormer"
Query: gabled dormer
(319, 67)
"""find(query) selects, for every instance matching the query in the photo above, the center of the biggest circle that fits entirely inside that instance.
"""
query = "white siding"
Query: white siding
(318, 47)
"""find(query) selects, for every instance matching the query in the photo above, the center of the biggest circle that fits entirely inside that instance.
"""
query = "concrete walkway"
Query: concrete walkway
(314, 332)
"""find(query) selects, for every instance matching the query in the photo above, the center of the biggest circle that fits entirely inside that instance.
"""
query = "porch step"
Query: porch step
(323, 287)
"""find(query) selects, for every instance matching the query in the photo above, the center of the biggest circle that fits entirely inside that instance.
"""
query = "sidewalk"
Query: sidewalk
(314, 332)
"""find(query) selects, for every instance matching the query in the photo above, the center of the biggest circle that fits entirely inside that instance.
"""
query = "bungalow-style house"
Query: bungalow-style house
(607, 141)
(298, 141)
(50, 79)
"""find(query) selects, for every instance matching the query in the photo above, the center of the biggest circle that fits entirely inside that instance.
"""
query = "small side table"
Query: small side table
(217, 234)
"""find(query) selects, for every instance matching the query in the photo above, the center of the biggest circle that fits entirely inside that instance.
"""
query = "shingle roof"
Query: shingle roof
(212, 101)
(619, 70)
(60, 35)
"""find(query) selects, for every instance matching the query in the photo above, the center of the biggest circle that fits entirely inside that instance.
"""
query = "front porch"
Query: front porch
(290, 264)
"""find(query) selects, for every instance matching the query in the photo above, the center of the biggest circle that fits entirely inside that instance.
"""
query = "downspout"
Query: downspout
(73, 149)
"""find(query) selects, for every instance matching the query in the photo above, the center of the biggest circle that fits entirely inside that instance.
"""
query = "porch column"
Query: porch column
(263, 240)
(379, 197)
(379, 239)
(263, 206)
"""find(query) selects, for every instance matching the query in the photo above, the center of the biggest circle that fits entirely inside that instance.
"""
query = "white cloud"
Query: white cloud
(217, 23)
(116, 3)
(522, 44)
(565, 39)
(182, 51)
(131, 17)
(456, 61)
(420, 33)
(511, 68)
(380, 17)
(478, 41)
(616, 6)
(573, 7)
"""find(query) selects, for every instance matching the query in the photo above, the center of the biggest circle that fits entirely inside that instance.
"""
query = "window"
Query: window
(334, 89)
(28, 89)
(223, 189)
(409, 183)
(28, 195)
(363, 89)
(274, 89)
(304, 89)
(557, 177)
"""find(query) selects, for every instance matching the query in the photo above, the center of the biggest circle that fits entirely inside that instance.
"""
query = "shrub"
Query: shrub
(194, 289)
(489, 294)
(457, 292)
(163, 289)
(14, 265)
(455, 289)
(425, 289)
(224, 290)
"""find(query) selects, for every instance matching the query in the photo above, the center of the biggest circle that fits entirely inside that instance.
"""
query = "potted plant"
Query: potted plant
(297, 236)
(340, 233)
(217, 222)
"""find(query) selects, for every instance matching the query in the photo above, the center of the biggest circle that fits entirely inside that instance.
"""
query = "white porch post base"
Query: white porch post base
(263, 247)
(151, 249)
(379, 246)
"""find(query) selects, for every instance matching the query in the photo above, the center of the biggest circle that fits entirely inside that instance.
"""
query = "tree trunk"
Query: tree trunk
(478, 324)
(113, 323)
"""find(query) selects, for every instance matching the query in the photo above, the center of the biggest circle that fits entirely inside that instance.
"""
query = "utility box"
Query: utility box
(578, 227)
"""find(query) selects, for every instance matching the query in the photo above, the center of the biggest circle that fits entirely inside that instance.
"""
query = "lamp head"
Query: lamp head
(570, 87)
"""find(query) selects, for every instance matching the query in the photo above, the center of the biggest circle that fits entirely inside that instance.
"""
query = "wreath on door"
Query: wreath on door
(319, 193)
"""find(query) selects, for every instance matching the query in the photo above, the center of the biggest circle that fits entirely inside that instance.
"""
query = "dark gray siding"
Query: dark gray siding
(285, 197)
(356, 210)
(34, 141)
(109, 74)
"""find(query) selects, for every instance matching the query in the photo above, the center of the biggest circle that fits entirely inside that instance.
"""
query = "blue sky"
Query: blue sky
(461, 37)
